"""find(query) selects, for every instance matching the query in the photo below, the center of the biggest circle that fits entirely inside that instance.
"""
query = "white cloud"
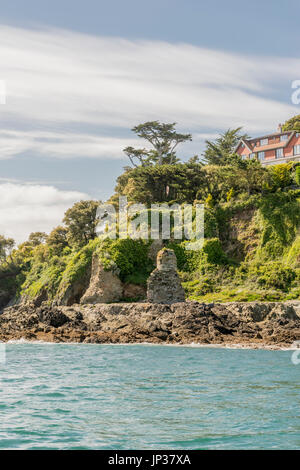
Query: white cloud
(60, 145)
(26, 208)
(58, 80)
(74, 95)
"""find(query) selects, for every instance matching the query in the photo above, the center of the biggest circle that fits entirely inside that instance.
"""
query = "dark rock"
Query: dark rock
(52, 316)
(182, 322)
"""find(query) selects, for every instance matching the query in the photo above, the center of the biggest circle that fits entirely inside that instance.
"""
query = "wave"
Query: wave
(250, 346)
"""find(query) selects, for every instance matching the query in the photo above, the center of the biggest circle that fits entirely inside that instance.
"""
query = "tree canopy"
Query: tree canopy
(81, 222)
(6, 245)
(58, 239)
(163, 138)
(292, 124)
(221, 150)
(37, 238)
(187, 182)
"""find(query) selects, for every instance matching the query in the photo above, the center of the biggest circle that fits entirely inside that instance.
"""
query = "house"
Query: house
(272, 149)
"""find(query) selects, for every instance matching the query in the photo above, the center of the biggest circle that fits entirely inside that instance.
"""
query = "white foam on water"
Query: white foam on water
(250, 346)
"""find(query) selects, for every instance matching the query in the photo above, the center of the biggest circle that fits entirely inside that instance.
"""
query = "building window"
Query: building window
(252, 155)
(296, 149)
(244, 157)
(279, 153)
(261, 156)
(297, 134)
(264, 142)
(284, 137)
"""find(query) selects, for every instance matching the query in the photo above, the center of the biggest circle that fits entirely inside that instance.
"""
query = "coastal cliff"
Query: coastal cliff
(251, 324)
(251, 249)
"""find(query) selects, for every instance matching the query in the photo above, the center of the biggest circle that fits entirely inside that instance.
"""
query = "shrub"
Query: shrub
(276, 275)
(279, 220)
(229, 195)
(211, 228)
(281, 175)
(297, 175)
(130, 256)
(44, 276)
(77, 264)
(214, 251)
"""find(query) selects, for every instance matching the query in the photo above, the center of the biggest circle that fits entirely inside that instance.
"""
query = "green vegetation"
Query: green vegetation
(252, 227)
(292, 124)
(129, 256)
(297, 175)
(163, 139)
(220, 152)
(81, 222)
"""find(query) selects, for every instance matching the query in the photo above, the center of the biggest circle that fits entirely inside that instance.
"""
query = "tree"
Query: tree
(281, 175)
(241, 176)
(292, 124)
(37, 238)
(57, 240)
(297, 175)
(164, 140)
(221, 151)
(161, 183)
(81, 222)
(194, 159)
(250, 176)
(6, 245)
(141, 155)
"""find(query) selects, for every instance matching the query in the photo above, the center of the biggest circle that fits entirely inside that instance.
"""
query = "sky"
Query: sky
(79, 75)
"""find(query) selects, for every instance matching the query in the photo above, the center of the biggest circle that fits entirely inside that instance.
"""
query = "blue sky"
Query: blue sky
(79, 75)
(260, 27)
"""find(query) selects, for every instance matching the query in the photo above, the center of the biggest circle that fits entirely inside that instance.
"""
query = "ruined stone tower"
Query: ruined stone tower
(164, 286)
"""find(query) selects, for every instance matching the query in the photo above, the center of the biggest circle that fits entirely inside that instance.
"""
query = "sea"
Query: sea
(90, 396)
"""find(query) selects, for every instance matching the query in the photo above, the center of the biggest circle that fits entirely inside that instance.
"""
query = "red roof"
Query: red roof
(251, 143)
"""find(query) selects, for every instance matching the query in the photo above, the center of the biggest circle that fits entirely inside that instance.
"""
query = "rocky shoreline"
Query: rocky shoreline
(253, 324)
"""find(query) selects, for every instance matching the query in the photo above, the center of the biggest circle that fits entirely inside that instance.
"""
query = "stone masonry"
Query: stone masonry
(164, 286)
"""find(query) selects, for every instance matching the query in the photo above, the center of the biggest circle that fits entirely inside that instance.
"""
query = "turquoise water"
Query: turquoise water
(58, 396)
